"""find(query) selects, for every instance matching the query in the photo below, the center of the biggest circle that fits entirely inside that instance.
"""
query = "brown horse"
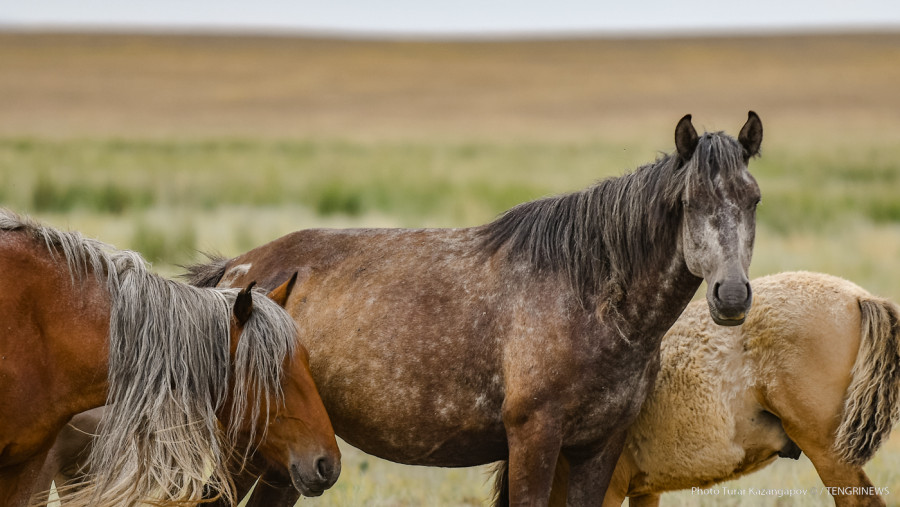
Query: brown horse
(84, 325)
(534, 335)
(815, 368)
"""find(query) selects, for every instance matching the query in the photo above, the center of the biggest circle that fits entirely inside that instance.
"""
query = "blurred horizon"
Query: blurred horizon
(808, 88)
(458, 19)
(238, 31)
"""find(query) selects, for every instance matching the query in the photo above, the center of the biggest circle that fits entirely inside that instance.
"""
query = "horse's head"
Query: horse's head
(298, 440)
(719, 203)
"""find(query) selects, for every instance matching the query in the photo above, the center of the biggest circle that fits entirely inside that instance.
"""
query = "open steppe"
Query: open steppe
(169, 143)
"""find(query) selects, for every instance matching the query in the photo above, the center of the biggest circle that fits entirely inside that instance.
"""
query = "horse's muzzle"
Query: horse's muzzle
(729, 302)
(313, 480)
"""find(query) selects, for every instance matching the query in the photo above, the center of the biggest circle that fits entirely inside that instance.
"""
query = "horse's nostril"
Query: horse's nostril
(731, 296)
(323, 468)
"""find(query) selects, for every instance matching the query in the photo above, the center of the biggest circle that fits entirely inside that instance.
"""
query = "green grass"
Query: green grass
(366, 480)
(332, 177)
(168, 192)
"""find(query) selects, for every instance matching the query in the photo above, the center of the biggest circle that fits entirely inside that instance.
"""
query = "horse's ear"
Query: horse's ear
(751, 135)
(281, 293)
(243, 304)
(685, 138)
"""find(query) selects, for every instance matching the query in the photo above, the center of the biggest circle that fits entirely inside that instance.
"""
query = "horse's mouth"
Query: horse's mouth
(293, 479)
(727, 320)
(734, 318)
(305, 489)
(308, 492)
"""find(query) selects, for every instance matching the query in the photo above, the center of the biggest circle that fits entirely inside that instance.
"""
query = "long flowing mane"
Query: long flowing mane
(170, 372)
(608, 233)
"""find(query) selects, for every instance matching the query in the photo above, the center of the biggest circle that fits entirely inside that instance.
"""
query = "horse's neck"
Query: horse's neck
(62, 354)
(87, 327)
(655, 300)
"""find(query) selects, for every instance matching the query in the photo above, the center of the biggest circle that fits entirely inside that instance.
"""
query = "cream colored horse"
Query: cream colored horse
(815, 368)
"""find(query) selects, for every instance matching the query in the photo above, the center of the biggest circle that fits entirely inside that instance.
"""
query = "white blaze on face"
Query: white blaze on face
(706, 248)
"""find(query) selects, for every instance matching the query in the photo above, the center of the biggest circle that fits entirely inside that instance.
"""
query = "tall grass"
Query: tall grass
(417, 183)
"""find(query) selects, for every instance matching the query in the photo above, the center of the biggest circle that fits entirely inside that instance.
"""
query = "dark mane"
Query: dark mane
(206, 274)
(609, 233)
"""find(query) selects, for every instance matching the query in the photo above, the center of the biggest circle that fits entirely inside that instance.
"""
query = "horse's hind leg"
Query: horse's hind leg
(851, 478)
(836, 474)
(806, 391)
(591, 471)
(816, 441)
(650, 500)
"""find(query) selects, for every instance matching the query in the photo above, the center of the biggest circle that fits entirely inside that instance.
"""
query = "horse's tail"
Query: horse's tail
(207, 274)
(558, 493)
(500, 492)
(872, 406)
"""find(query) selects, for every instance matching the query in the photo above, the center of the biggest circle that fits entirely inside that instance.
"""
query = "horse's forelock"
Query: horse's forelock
(717, 156)
(269, 337)
(180, 354)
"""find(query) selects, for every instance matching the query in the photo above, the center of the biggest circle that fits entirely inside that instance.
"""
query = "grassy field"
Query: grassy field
(173, 144)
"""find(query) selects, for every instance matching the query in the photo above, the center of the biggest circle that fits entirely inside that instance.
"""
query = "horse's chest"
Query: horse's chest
(612, 389)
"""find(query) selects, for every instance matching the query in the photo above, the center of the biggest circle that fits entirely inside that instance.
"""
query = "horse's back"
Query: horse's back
(812, 312)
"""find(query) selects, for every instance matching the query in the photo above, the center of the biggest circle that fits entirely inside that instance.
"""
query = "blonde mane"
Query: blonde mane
(170, 373)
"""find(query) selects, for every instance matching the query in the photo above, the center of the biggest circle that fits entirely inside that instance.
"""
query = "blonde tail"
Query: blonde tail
(872, 406)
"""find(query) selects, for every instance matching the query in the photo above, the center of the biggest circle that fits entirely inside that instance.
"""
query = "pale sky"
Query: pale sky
(449, 17)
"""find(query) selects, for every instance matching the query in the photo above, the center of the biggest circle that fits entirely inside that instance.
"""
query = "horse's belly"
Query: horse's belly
(422, 406)
(394, 425)
(429, 446)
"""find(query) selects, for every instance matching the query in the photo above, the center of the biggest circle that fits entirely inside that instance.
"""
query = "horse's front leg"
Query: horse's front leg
(590, 471)
(534, 439)
(20, 481)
